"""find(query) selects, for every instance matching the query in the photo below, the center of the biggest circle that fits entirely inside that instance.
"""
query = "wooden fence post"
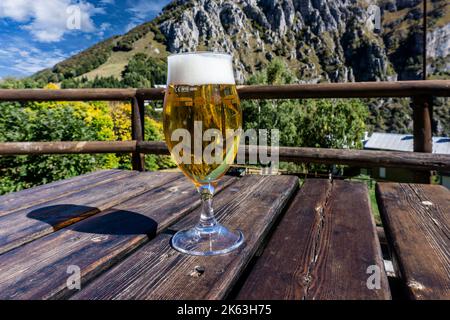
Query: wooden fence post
(423, 135)
(137, 132)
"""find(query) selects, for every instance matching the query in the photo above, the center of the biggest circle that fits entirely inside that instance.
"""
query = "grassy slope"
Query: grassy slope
(405, 24)
(119, 59)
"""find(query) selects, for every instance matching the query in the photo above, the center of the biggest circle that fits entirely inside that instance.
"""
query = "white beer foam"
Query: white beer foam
(200, 68)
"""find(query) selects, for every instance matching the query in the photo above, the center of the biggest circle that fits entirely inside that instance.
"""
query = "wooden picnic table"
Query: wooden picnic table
(317, 241)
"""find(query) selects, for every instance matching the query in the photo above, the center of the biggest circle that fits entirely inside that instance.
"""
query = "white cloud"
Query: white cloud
(103, 27)
(142, 9)
(24, 59)
(48, 20)
(130, 26)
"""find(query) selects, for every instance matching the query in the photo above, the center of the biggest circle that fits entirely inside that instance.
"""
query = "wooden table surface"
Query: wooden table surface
(111, 229)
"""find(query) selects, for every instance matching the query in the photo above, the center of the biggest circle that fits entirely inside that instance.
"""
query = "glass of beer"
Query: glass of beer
(202, 125)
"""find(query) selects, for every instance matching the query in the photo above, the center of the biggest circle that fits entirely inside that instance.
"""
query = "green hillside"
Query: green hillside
(314, 49)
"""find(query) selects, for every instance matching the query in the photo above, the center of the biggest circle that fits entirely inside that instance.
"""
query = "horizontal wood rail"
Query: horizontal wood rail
(439, 88)
(360, 158)
(66, 147)
(421, 93)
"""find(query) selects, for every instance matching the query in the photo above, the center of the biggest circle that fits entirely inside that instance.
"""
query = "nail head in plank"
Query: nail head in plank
(416, 218)
(157, 271)
(321, 249)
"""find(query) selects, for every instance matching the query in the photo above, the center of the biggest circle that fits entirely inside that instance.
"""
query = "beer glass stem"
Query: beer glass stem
(208, 237)
(207, 220)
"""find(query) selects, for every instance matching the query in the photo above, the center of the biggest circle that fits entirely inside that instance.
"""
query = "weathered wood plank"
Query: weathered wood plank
(66, 147)
(294, 91)
(362, 158)
(25, 225)
(26, 198)
(321, 249)
(137, 132)
(417, 222)
(38, 270)
(156, 271)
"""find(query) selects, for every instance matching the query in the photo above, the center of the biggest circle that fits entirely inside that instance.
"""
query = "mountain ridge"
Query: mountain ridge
(322, 41)
(319, 40)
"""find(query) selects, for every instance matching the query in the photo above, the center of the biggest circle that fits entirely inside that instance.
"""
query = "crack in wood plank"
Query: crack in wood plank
(320, 211)
(38, 270)
(157, 271)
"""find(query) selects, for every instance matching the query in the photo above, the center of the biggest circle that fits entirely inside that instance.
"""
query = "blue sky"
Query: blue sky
(35, 34)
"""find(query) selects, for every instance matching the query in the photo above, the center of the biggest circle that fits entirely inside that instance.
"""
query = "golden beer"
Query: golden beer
(214, 106)
(202, 125)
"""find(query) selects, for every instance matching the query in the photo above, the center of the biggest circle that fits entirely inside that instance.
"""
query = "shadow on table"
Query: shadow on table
(112, 222)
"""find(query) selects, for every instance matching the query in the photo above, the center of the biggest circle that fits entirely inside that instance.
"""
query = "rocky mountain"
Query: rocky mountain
(320, 40)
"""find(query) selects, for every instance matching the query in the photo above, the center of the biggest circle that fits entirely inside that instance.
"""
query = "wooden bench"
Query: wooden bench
(417, 224)
(326, 247)
(316, 242)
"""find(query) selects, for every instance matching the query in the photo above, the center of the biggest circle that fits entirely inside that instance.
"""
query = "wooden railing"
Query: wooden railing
(421, 93)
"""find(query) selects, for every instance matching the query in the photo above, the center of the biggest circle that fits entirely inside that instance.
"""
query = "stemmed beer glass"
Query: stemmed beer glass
(202, 124)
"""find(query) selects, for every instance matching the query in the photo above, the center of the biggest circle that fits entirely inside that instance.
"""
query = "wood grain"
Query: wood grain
(373, 89)
(20, 227)
(38, 270)
(417, 223)
(156, 271)
(422, 132)
(321, 249)
(66, 147)
(137, 132)
(362, 158)
(323, 90)
(29, 197)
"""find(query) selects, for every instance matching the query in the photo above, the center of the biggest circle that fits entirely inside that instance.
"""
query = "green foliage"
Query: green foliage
(51, 122)
(79, 64)
(126, 42)
(277, 73)
(394, 116)
(143, 72)
(332, 123)
(124, 45)
(26, 83)
(97, 82)
(121, 115)
(321, 123)
(154, 132)
(67, 121)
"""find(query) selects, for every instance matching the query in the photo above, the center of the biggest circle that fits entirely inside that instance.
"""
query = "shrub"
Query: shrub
(56, 121)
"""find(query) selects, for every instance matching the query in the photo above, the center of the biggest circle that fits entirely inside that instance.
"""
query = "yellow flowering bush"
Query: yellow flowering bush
(67, 121)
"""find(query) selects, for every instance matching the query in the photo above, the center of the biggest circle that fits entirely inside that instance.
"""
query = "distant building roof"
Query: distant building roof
(403, 142)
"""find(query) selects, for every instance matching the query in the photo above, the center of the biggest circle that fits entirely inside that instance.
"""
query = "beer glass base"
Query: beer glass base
(209, 241)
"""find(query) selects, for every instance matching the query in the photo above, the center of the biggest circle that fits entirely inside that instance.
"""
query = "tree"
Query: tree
(322, 123)
(55, 121)
(121, 115)
(143, 71)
